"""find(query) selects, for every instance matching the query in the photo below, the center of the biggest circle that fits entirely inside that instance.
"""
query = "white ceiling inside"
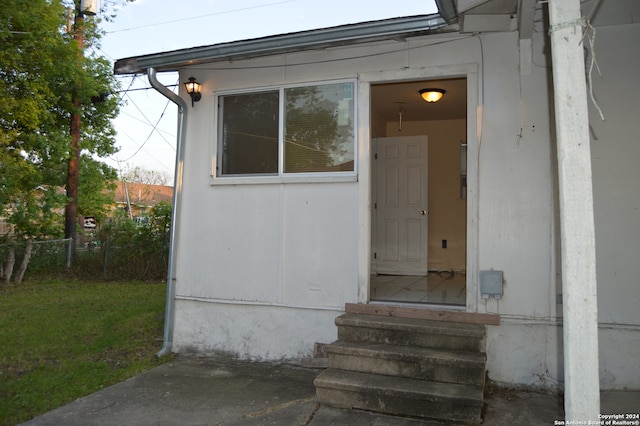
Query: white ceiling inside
(385, 100)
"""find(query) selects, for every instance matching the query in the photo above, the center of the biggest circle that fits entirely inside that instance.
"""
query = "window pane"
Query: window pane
(318, 130)
(249, 134)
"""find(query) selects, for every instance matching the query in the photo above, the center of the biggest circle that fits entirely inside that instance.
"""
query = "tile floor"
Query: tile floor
(442, 288)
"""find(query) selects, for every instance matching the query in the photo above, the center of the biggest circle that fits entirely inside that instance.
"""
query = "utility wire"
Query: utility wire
(148, 154)
(201, 16)
(133, 117)
(122, 94)
(154, 129)
(149, 121)
(128, 88)
(143, 88)
(150, 133)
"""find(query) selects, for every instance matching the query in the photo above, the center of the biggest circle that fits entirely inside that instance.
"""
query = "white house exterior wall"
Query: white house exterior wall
(526, 348)
(615, 148)
(264, 269)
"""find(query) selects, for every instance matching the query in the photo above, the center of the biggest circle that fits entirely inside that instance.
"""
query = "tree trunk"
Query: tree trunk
(25, 262)
(75, 131)
(11, 260)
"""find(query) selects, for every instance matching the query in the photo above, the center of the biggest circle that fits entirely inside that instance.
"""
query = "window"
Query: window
(289, 131)
(249, 134)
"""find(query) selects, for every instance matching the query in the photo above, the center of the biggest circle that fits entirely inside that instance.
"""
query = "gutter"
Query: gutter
(286, 43)
(177, 195)
(448, 11)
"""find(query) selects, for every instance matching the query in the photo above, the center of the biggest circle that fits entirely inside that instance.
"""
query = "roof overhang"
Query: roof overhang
(365, 32)
(465, 16)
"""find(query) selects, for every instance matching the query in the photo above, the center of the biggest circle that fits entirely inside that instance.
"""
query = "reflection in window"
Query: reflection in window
(250, 134)
(317, 131)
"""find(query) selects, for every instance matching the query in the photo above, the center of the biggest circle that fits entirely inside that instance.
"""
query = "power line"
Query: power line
(128, 88)
(147, 153)
(155, 126)
(149, 121)
(201, 16)
(133, 117)
(122, 94)
(143, 88)
(151, 133)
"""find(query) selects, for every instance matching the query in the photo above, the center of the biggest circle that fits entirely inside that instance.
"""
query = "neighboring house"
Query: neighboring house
(139, 198)
(6, 228)
(311, 169)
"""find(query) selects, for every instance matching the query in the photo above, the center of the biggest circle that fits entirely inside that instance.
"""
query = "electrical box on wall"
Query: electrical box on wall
(491, 284)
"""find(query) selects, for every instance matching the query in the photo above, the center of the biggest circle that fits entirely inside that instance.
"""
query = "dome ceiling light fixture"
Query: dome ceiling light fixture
(432, 95)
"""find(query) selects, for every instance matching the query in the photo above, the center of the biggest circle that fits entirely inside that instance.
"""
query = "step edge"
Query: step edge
(369, 350)
(329, 379)
(396, 323)
(423, 313)
(462, 414)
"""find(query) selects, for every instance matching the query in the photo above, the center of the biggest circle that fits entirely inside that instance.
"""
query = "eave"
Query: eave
(397, 28)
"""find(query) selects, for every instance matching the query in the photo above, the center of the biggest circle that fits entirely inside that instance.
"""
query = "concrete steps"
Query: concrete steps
(406, 366)
(411, 332)
(411, 362)
(400, 397)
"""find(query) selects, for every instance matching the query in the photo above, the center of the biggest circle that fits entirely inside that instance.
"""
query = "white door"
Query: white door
(400, 206)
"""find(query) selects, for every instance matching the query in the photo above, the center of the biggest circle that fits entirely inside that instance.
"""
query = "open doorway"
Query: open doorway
(418, 193)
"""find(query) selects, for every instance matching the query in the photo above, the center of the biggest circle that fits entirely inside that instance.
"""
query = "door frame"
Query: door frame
(474, 132)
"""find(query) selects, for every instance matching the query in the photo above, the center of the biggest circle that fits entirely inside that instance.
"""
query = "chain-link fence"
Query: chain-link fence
(115, 253)
(124, 251)
(119, 249)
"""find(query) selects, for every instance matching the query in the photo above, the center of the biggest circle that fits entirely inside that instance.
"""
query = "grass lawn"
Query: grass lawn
(60, 340)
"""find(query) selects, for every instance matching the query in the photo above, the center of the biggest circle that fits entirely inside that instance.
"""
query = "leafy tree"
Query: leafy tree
(314, 140)
(96, 193)
(46, 78)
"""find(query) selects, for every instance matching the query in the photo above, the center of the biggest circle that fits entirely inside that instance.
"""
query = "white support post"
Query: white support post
(580, 313)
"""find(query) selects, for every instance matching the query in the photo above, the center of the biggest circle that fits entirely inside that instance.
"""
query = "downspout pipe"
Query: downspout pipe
(177, 195)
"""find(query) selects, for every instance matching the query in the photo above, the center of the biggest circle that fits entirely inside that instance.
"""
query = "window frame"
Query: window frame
(304, 177)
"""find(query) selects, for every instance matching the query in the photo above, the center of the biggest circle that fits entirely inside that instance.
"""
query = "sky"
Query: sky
(147, 123)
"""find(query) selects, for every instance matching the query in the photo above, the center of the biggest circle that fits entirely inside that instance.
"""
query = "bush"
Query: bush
(122, 249)
(129, 250)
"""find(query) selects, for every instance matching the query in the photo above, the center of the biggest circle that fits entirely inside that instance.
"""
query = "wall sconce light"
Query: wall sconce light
(193, 89)
(431, 95)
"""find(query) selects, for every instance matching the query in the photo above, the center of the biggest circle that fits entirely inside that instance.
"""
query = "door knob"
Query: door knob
(424, 212)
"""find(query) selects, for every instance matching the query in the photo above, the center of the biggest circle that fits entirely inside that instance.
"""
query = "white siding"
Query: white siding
(264, 269)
